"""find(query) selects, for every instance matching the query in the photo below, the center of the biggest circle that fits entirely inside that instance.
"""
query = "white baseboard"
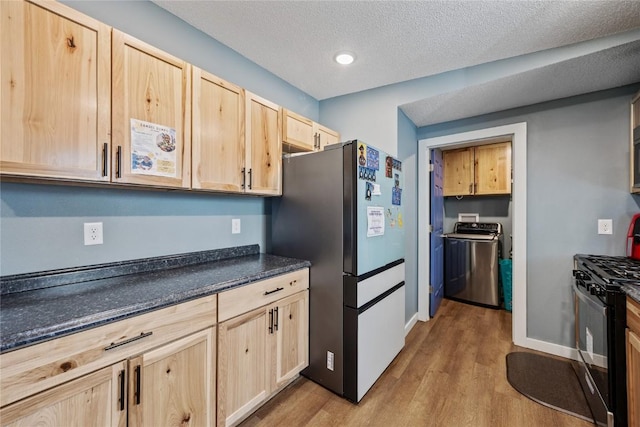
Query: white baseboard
(410, 324)
(550, 348)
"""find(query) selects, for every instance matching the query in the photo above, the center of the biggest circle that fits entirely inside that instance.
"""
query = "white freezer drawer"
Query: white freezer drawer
(373, 336)
(380, 338)
(374, 286)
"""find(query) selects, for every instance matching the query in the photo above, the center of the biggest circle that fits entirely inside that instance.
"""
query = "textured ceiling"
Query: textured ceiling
(395, 41)
(584, 74)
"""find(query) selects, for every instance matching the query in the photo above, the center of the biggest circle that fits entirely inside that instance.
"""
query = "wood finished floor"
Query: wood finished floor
(450, 373)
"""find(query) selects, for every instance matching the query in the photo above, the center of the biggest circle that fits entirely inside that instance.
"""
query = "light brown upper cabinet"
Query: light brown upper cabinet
(480, 170)
(297, 132)
(218, 139)
(263, 159)
(458, 172)
(300, 134)
(151, 104)
(55, 92)
(325, 136)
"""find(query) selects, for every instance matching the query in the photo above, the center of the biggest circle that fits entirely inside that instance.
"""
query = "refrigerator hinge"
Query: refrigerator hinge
(430, 167)
(430, 228)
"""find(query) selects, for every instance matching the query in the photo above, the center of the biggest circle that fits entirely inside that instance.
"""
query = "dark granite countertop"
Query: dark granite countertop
(41, 306)
(633, 291)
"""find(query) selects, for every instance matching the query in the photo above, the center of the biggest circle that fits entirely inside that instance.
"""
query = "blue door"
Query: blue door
(436, 263)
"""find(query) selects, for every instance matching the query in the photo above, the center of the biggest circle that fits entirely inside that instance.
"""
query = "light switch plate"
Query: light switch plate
(605, 226)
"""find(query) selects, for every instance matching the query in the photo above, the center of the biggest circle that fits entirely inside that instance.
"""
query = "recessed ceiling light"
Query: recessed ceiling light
(344, 58)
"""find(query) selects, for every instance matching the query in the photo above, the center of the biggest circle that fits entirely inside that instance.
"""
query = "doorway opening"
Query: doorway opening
(517, 134)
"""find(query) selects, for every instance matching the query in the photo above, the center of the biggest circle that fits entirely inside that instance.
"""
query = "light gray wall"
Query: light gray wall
(408, 155)
(41, 225)
(577, 172)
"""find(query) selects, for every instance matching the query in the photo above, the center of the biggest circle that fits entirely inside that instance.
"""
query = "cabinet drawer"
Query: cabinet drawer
(35, 368)
(633, 315)
(246, 298)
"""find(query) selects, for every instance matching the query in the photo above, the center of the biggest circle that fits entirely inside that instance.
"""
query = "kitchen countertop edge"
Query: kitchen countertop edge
(33, 336)
(632, 291)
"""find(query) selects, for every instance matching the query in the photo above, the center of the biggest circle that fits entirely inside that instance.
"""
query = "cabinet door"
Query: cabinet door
(94, 399)
(633, 377)
(263, 146)
(151, 104)
(326, 136)
(298, 132)
(291, 343)
(243, 361)
(217, 133)
(458, 172)
(55, 92)
(174, 385)
(493, 169)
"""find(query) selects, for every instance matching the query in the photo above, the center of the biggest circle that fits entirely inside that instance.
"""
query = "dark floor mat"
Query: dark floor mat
(548, 381)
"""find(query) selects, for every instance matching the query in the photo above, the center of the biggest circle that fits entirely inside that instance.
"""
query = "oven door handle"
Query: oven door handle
(596, 304)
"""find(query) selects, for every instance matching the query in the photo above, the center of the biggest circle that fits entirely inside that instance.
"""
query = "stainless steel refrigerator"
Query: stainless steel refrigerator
(341, 209)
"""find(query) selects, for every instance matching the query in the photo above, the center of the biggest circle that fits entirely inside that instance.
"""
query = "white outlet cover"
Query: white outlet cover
(93, 233)
(605, 226)
(235, 226)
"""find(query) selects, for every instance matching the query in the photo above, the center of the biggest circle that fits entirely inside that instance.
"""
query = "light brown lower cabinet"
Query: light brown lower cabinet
(87, 401)
(159, 368)
(173, 385)
(259, 353)
(633, 362)
(633, 378)
(153, 369)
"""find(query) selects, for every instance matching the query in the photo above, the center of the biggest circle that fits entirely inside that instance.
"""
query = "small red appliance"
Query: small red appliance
(633, 238)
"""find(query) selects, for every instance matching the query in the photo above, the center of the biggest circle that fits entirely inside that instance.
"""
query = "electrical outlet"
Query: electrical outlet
(93, 233)
(235, 226)
(605, 226)
(329, 360)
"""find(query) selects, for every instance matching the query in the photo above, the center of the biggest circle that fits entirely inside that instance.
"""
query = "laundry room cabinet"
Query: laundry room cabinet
(475, 171)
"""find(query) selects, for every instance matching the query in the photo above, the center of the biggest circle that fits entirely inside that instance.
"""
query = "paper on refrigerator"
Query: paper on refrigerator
(375, 221)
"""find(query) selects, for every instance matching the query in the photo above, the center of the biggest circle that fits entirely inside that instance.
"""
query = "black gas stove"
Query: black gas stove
(612, 270)
(600, 332)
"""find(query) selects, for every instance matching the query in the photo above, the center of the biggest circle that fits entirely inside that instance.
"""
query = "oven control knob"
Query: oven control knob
(596, 290)
(578, 274)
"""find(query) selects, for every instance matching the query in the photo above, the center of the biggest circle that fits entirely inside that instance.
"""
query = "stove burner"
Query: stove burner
(613, 268)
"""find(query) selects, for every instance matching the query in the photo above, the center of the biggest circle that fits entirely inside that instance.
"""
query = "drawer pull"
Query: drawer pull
(121, 343)
(273, 291)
